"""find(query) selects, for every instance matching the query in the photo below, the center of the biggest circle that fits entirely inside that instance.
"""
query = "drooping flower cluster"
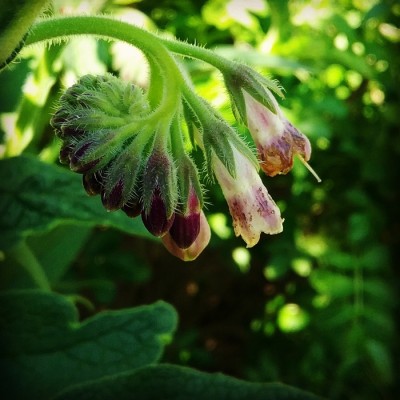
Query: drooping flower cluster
(140, 165)
(99, 121)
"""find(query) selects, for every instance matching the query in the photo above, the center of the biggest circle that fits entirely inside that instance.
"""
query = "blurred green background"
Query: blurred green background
(316, 306)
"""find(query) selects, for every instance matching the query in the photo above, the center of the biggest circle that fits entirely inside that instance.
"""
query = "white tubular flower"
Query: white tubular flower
(277, 140)
(252, 208)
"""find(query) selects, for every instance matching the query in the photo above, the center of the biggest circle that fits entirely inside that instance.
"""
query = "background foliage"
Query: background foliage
(314, 307)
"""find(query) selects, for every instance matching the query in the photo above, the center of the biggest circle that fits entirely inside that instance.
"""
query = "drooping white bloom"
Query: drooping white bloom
(252, 208)
(277, 140)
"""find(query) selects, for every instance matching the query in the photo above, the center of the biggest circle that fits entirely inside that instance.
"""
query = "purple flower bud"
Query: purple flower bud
(113, 200)
(132, 208)
(185, 230)
(156, 220)
(77, 159)
(92, 183)
(160, 184)
(186, 227)
(59, 118)
(71, 132)
(65, 153)
(195, 249)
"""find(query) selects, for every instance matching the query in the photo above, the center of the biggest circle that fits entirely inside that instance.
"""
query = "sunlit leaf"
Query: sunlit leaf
(36, 197)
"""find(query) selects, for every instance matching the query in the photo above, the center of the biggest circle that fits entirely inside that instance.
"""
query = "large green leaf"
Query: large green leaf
(36, 197)
(54, 252)
(45, 348)
(180, 383)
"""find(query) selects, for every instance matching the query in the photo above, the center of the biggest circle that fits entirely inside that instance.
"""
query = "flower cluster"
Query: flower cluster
(140, 163)
(99, 121)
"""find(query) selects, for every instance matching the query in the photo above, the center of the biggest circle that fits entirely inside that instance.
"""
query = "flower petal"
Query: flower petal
(195, 249)
(277, 140)
(252, 208)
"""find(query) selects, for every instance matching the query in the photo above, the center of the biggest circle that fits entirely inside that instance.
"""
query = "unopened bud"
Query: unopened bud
(156, 220)
(133, 208)
(65, 153)
(92, 183)
(80, 160)
(195, 249)
(113, 200)
(186, 227)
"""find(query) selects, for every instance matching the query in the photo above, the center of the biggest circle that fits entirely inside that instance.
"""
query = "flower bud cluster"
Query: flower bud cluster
(129, 169)
(137, 160)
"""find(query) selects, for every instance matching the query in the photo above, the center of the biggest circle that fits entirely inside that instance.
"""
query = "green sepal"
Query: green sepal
(188, 178)
(216, 140)
(98, 149)
(126, 168)
(244, 148)
(236, 97)
(242, 78)
(191, 121)
(93, 120)
(160, 173)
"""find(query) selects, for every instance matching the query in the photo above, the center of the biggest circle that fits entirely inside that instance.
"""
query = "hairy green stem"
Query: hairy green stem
(104, 27)
(178, 147)
(155, 82)
(200, 53)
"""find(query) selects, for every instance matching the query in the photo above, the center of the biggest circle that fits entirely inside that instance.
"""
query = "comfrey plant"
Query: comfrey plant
(133, 147)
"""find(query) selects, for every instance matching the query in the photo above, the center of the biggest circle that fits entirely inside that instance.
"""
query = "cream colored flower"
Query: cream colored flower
(277, 140)
(252, 208)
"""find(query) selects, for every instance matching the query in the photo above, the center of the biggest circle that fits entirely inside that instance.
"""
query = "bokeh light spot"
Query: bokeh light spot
(292, 318)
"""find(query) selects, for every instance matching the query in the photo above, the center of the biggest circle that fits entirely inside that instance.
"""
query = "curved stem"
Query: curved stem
(27, 259)
(193, 51)
(104, 27)
(155, 83)
(178, 147)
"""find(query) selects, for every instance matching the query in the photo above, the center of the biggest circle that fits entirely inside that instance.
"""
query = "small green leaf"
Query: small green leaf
(180, 383)
(36, 197)
(46, 349)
